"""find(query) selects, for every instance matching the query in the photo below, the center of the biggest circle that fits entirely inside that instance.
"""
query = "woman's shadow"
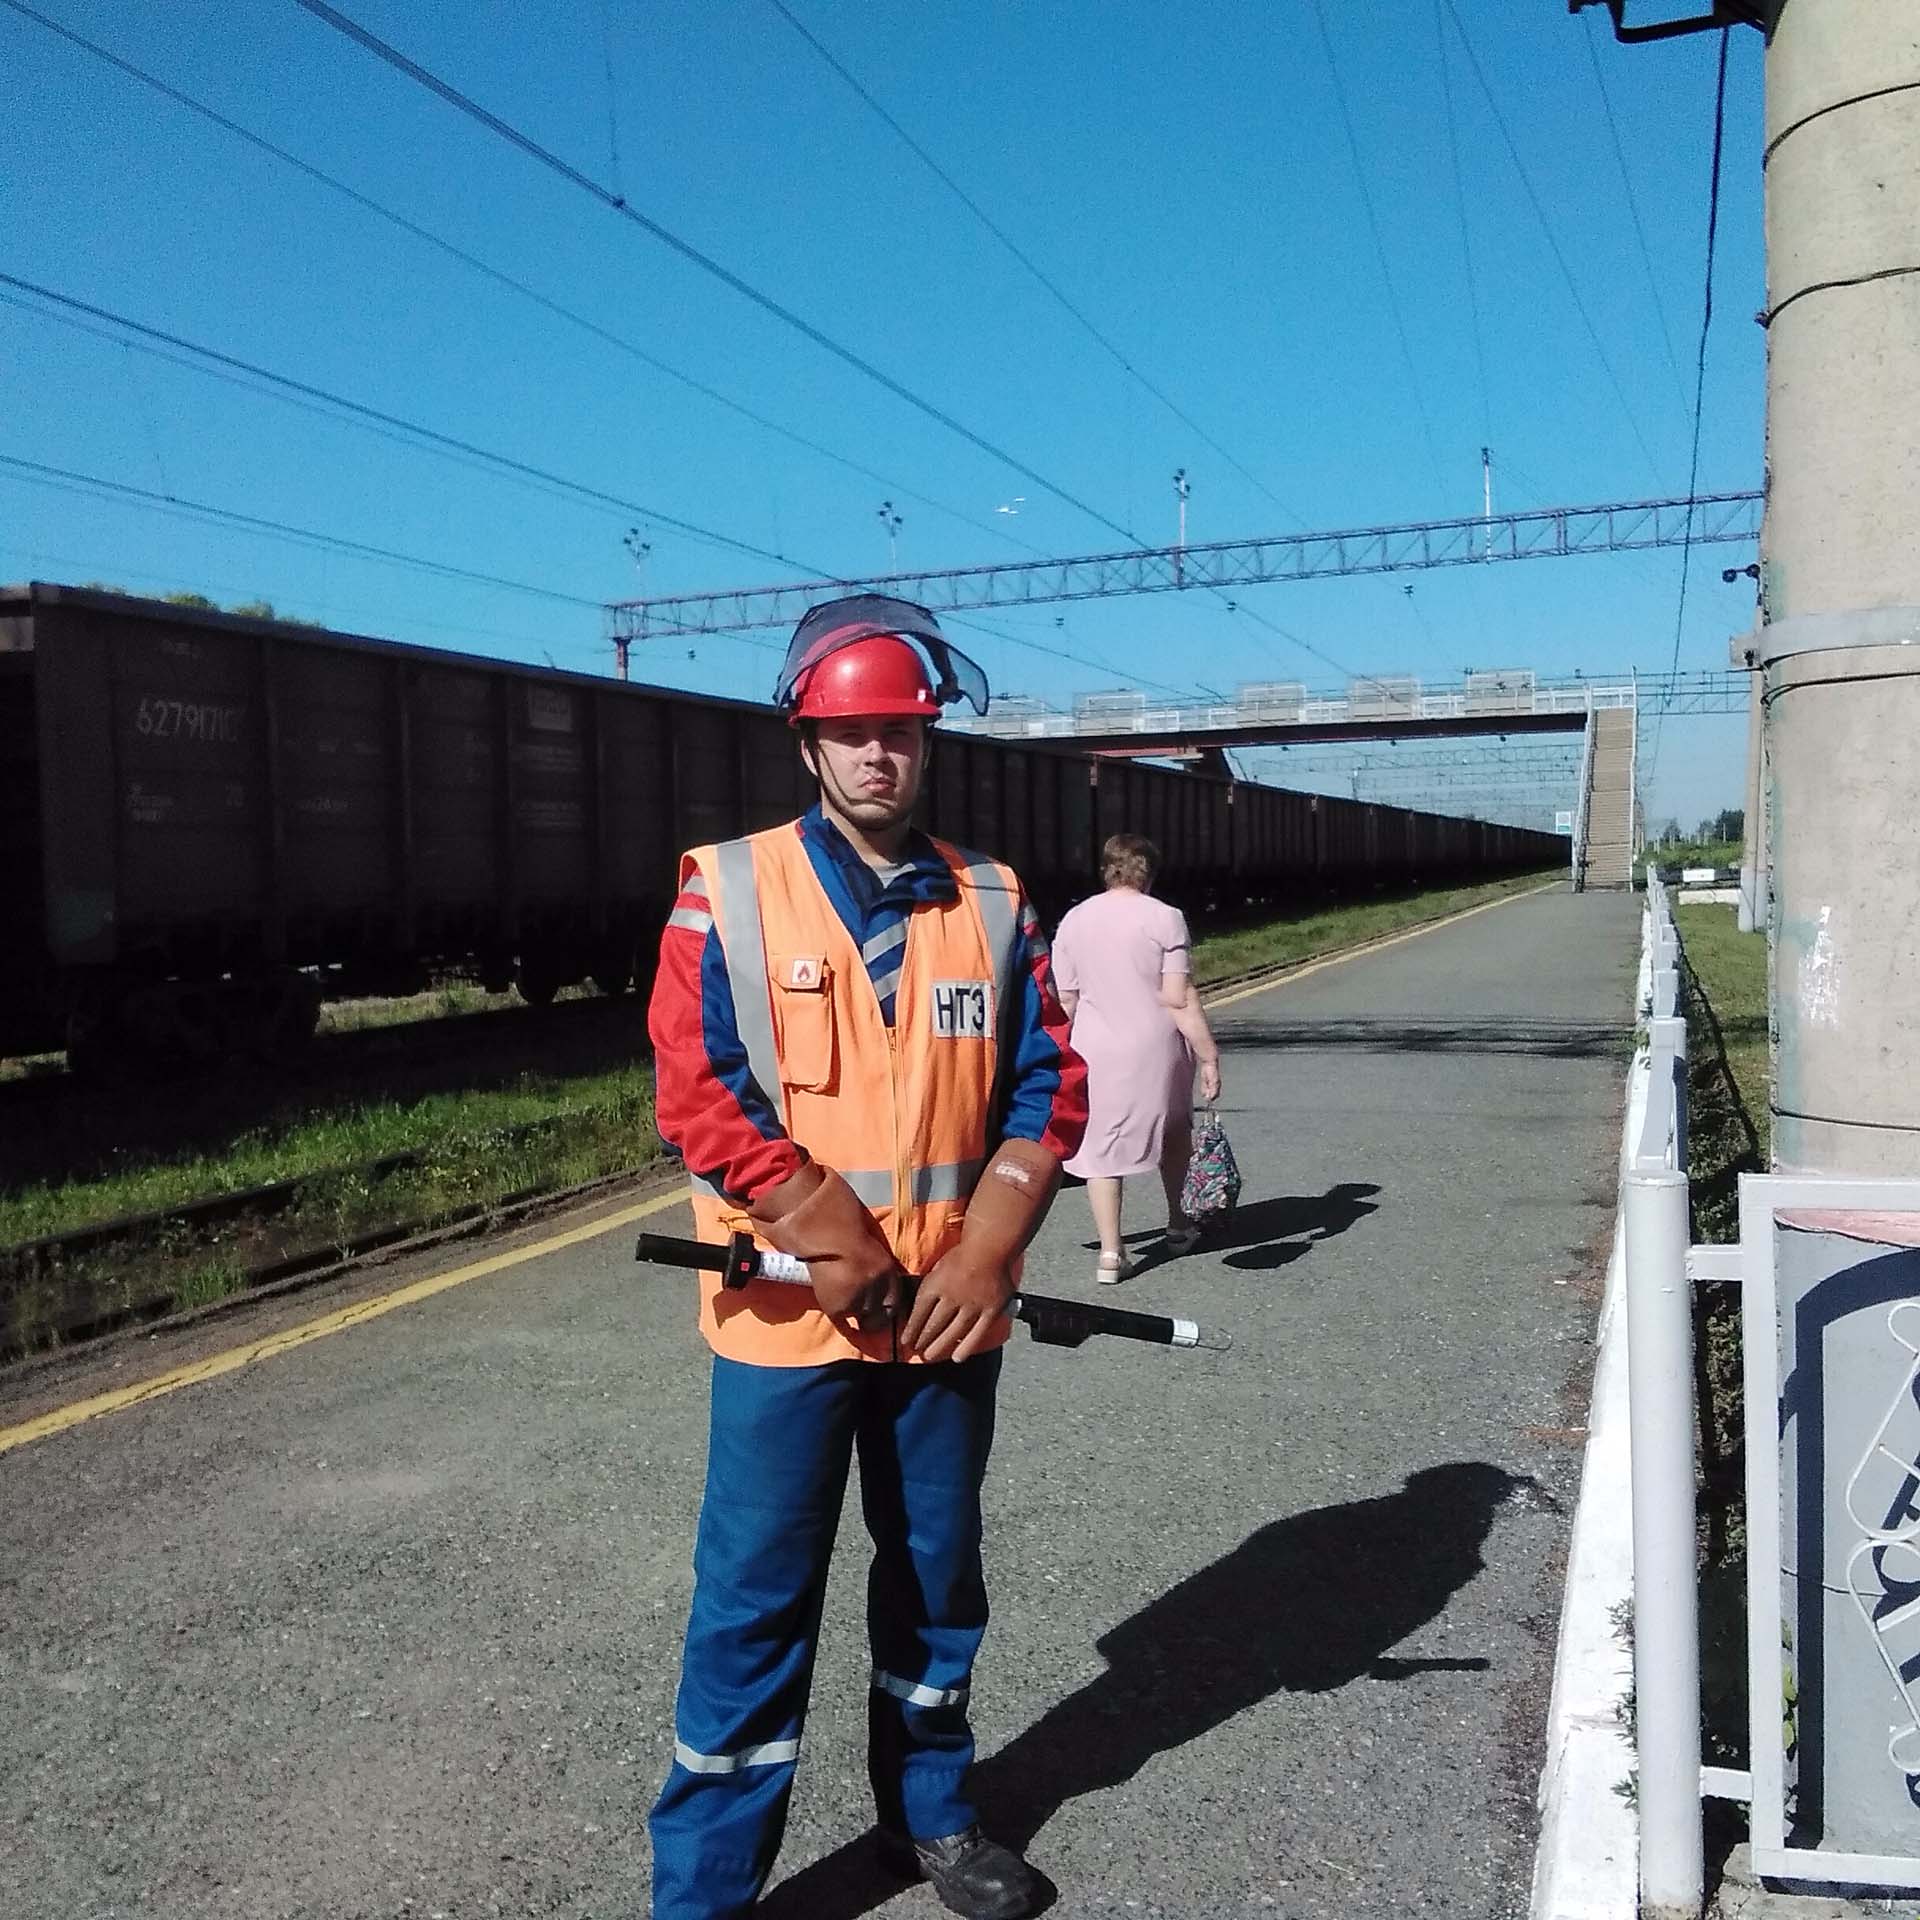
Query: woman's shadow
(1275, 1232)
(1307, 1604)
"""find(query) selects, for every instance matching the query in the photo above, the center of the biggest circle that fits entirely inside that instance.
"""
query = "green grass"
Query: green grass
(453, 1001)
(476, 1150)
(1727, 1123)
(451, 1125)
(32, 1066)
(1298, 937)
(1689, 853)
(1727, 1135)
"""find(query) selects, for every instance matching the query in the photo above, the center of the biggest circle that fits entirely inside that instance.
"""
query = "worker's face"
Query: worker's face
(871, 768)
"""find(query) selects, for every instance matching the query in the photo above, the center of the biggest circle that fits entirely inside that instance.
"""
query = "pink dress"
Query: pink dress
(1111, 951)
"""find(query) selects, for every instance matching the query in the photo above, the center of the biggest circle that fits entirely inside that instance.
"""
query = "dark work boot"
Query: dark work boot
(975, 1877)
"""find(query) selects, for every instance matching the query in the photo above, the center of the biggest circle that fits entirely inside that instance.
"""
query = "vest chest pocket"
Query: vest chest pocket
(803, 1008)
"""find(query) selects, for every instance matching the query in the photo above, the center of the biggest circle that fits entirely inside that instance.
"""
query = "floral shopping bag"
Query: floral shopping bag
(1213, 1175)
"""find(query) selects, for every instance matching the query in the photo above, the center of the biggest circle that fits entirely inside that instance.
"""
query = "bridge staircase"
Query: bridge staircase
(1603, 839)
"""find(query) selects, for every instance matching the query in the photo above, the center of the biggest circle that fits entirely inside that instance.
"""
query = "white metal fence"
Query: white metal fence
(1666, 1606)
(1803, 1617)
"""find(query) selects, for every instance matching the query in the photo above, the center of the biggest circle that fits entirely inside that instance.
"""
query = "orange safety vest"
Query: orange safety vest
(902, 1113)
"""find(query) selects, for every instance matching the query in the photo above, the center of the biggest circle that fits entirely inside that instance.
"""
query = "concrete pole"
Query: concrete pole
(1666, 1607)
(1840, 583)
(1753, 913)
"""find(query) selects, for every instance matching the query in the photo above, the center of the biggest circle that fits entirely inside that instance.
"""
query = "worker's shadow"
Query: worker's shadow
(1271, 1233)
(1307, 1604)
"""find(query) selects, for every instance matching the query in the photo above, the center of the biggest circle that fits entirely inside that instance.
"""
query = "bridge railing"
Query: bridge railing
(1380, 707)
(1583, 804)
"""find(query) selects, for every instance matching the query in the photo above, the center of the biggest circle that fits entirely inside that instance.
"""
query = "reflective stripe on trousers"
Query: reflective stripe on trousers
(782, 1440)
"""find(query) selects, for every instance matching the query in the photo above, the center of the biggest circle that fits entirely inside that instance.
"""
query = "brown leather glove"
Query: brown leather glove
(818, 1218)
(957, 1306)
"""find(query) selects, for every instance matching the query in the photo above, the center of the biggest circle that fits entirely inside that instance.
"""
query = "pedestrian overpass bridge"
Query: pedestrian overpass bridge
(1500, 702)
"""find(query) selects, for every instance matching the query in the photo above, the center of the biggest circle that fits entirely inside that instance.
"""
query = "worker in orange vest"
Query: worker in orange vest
(860, 1055)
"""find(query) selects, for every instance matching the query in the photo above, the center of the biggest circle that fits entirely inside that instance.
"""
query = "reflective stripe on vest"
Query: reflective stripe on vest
(873, 1186)
(999, 914)
(737, 914)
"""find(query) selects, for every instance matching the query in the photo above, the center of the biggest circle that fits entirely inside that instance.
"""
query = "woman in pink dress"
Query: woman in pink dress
(1120, 961)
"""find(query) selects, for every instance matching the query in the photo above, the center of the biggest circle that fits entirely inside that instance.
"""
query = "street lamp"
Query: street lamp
(637, 550)
(893, 523)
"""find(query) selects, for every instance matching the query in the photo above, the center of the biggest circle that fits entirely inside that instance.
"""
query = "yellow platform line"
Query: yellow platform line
(1374, 946)
(339, 1321)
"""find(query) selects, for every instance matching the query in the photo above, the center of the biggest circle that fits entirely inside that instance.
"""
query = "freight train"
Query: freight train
(208, 822)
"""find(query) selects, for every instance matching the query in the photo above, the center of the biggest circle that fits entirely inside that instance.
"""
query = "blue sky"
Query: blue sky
(1184, 176)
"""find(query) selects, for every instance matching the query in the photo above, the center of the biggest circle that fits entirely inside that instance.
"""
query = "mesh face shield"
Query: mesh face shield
(838, 623)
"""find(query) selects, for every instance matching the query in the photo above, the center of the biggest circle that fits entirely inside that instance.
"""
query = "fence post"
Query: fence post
(1666, 1603)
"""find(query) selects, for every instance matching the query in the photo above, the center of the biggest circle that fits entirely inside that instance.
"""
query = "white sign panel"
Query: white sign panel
(1832, 1337)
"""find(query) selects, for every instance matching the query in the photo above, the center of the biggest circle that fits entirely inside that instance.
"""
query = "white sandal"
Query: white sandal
(1110, 1275)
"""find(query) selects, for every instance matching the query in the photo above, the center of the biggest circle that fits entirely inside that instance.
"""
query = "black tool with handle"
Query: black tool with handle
(1052, 1321)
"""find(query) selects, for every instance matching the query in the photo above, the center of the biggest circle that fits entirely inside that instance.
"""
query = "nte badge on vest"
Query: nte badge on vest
(962, 1009)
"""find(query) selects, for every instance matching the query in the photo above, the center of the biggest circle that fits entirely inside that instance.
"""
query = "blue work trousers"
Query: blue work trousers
(777, 1462)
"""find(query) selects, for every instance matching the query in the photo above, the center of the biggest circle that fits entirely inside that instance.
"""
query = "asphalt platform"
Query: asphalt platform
(387, 1623)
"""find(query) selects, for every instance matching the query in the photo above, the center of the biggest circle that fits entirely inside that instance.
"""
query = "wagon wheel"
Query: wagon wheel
(97, 1049)
(538, 979)
(612, 971)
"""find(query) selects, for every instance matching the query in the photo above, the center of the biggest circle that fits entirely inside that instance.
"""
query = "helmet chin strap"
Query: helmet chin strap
(879, 843)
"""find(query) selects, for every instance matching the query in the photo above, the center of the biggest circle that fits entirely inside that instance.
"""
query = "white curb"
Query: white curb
(1587, 1866)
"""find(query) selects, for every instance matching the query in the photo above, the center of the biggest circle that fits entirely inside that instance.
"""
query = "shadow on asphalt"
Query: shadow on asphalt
(1268, 1233)
(1544, 1039)
(1306, 1604)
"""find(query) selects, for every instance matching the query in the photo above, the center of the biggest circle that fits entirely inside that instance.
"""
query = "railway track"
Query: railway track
(343, 1053)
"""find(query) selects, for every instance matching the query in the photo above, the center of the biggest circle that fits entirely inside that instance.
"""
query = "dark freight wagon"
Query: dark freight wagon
(208, 821)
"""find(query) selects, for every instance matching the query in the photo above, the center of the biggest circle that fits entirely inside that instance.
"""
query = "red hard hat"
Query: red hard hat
(878, 675)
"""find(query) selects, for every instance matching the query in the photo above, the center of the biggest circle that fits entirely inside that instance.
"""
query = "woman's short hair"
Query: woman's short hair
(1129, 860)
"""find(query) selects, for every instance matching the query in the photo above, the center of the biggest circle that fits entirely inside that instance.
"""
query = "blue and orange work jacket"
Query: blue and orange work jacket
(784, 1030)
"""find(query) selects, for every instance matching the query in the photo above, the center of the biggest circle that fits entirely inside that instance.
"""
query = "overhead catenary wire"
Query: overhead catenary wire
(1552, 239)
(1026, 260)
(706, 262)
(499, 277)
(66, 479)
(1059, 652)
(1699, 382)
(979, 213)
(202, 370)
(1633, 209)
(1293, 639)
(431, 436)
(165, 496)
(1379, 248)
(1466, 234)
(613, 113)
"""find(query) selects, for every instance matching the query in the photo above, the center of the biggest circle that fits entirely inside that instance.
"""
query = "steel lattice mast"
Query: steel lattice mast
(1621, 527)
